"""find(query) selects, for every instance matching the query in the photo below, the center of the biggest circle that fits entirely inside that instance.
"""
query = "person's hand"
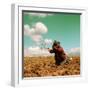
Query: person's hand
(49, 49)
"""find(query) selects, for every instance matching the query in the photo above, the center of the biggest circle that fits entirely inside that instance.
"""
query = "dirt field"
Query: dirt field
(45, 66)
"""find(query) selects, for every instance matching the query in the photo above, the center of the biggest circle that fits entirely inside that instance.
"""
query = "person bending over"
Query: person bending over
(60, 55)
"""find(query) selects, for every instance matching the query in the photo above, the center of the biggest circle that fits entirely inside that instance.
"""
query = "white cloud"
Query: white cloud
(36, 51)
(40, 28)
(40, 15)
(48, 41)
(34, 48)
(26, 52)
(75, 49)
(37, 38)
(35, 32)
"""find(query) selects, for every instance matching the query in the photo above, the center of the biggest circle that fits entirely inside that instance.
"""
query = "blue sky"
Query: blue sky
(63, 27)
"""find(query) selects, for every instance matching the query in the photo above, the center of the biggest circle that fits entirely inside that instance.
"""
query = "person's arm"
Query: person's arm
(50, 50)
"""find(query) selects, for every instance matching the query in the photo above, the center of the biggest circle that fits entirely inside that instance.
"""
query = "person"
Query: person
(60, 55)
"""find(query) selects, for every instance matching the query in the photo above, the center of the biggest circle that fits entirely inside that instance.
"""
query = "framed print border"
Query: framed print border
(16, 41)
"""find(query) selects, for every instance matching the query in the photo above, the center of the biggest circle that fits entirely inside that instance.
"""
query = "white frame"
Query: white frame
(16, 63)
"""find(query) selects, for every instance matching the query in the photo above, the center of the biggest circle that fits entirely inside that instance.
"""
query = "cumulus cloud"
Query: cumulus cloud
(40, 28)
(35, 32)
(40, 15)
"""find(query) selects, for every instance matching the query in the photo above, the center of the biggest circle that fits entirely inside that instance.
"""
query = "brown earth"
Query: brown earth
(45, 66)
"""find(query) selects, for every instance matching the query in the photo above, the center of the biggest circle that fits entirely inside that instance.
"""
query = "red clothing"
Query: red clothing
(59, 54)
